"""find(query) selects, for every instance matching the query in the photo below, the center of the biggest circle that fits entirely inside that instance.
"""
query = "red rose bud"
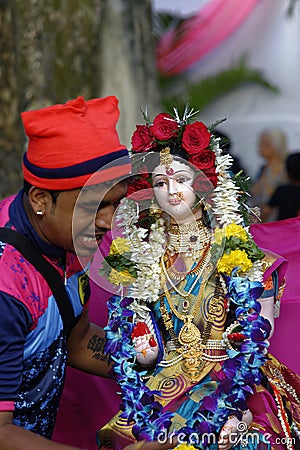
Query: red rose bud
(212, 175)
(204, 160)
(139, 189)
(152, 342)
(142, 139)
(238, 337)
(164, 127)
(195, 138)
(202, 183)
(140, 329)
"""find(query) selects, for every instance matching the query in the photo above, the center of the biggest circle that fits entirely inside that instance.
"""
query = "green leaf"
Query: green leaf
(177, 91)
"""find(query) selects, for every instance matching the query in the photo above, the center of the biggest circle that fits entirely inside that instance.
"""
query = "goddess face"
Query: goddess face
(174, 193)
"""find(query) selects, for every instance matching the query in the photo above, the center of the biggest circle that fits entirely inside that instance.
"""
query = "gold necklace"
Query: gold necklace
(182, 294)
(190, 343)
(189, 333)
(198, 269)
(179, 276)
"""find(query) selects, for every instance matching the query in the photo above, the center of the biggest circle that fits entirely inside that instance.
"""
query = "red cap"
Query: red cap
(74, 144)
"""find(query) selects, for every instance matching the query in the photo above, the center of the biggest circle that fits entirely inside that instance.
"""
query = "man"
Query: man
(73, 170)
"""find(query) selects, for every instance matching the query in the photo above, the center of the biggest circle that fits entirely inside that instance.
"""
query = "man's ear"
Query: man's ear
(40, 200)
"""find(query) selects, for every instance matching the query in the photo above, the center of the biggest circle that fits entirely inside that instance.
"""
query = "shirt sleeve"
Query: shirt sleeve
(275, 198)
(15, 323)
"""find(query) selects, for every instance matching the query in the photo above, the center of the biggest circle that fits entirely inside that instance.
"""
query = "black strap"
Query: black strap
(33, 255)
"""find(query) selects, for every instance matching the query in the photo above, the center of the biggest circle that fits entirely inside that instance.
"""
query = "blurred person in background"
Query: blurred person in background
(285, 201)
(273, 148)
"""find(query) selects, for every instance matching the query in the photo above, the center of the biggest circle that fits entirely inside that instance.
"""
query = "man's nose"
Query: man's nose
(104, 217)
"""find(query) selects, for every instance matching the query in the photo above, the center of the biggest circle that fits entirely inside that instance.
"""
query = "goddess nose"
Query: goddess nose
(172, 186)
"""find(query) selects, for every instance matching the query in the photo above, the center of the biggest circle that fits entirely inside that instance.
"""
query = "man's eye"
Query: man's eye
(90, 210)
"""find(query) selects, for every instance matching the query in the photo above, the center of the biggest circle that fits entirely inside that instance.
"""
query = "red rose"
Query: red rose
(202, 183)
(142, 139)
(203, 160)
(195, 138)
(164, 127)
(143, 171)
(139, 189)
(212, 175)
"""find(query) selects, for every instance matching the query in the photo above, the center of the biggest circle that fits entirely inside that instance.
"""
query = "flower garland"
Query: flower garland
(237, 258)
(135, 259)
(138, 402)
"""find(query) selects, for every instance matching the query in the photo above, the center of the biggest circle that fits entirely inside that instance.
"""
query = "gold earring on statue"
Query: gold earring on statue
(154, 209)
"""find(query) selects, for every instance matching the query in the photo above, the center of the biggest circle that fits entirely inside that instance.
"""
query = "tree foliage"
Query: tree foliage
(180, 91)
(54, 50)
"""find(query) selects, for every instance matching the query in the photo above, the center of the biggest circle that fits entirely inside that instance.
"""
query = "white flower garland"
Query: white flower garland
(145, 253)
(226, 206)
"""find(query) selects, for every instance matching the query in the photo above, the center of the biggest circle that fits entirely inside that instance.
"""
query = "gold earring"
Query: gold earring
(154, 209)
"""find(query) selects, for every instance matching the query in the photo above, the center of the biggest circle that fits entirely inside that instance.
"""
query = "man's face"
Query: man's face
(78, 219)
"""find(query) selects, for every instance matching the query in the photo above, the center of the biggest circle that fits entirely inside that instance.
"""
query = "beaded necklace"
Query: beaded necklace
(165, 272)
(188, 238)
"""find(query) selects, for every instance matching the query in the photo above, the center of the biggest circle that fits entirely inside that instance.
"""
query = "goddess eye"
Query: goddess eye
(159, 183)
(183, 180)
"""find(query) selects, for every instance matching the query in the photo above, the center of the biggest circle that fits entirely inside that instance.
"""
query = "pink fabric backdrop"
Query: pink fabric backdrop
(179, 48)
(283, 237)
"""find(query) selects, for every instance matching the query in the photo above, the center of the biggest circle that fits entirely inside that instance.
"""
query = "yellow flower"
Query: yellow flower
(117, 278)
(219, 234)
(237, 231)
(236, 258)
(185, 447)
(119, 246)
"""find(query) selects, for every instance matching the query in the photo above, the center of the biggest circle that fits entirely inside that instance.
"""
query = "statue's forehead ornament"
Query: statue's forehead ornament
(166, 160)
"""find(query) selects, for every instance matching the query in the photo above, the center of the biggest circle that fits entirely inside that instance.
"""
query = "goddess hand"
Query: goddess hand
(232, 428)
(145, 345)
